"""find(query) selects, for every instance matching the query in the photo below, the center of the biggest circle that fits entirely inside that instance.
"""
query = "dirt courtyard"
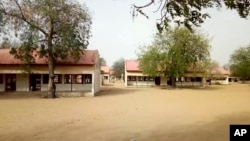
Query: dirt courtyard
(123, 114)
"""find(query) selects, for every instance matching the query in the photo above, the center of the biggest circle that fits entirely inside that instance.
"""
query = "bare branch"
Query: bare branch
(22, 17)
(159, 7)
(146, 5)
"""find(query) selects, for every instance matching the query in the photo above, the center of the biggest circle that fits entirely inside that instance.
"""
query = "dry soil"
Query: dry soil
(123, 114)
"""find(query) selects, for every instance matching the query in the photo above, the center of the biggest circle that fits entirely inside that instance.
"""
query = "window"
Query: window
(151, 78)
(45, 78)
(187, 79)
(145, 78)
(140, 78)
(198, 79)
(67, 79)
(57, 79)
(192, 79)
(106, 77)
(129, 78)
(132, 78)
(1, 78)
(87, 78)
(77, 79)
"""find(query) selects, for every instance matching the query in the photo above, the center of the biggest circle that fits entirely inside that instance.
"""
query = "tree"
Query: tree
(240, 62)
(211, 67)
(189, 12)
(54, 29)
(119, 68)
(226, 66)
(174, 52)
(6, 43)
(103, 62)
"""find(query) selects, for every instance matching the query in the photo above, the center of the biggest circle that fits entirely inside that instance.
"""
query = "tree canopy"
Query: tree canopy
(52, 28)
(119, 68)
(212, 65)
(240, 62)
(103, 61)
(174, 52)
(189, 12)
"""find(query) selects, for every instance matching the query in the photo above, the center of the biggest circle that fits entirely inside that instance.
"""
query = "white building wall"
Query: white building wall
(68, 87)
(163, 80)
(22, 80)
(223, 82)
(106, 80)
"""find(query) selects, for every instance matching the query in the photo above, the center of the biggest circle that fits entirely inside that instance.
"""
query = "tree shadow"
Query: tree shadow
(116, 91)
(108, 85)
(210, 87)
(20, 95)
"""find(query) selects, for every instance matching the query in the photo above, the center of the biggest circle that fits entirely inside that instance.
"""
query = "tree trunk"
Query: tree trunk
(51, 85)
(173, 80)
(51, 64)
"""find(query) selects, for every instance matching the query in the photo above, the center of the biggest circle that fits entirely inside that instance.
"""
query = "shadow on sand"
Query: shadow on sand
(210, 87)
(21, 95)
(116, 91)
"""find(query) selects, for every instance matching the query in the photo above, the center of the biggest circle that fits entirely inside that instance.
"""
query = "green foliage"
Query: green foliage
(174, 52)
(56, 28)
(119, 67)
(240, 62)
(190, 12)
(6, 43)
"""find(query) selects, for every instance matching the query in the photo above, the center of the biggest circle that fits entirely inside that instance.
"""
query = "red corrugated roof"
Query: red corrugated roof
(89, 58)
(105, 69)
(132, 65)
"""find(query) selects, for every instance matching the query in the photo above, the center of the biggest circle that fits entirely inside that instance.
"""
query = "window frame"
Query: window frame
(75, 79)
(87, 76)
(59, 79)
(67, 77)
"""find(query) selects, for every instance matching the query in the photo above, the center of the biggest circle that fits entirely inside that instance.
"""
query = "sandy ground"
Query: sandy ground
(121, 114)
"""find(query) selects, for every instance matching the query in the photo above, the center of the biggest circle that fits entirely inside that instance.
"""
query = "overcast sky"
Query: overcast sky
(115, 34)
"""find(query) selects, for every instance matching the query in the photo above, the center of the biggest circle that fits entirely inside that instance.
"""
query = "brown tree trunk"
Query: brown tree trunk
(51, 85)
(51, 64)
(173, 80)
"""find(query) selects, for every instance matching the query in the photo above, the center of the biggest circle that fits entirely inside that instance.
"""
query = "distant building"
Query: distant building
(70, 76)
(135, 77)
(105, 74)
(220, 76)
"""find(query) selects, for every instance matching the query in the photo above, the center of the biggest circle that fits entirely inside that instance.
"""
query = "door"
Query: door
(35, 82)
(157, 81)
(10, 82)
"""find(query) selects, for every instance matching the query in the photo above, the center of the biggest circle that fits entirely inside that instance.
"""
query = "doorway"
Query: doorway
(10, 82)
(35, 82)
(157, 81)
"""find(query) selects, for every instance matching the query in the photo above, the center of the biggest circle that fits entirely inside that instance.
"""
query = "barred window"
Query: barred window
(87, 78)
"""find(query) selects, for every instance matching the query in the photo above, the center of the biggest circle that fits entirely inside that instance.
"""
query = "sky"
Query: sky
(115, 34)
